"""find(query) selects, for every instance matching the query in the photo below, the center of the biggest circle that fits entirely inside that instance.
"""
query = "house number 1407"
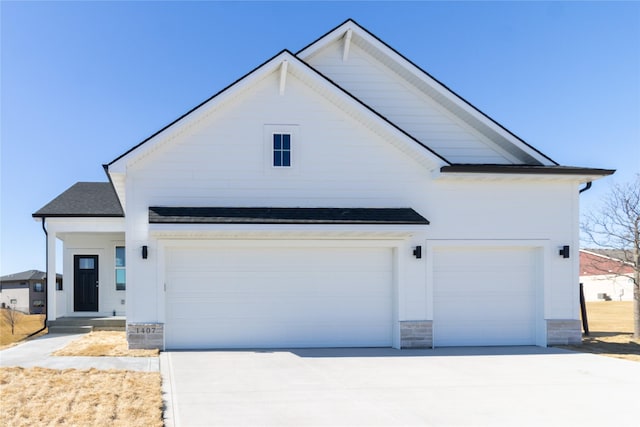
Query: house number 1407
(147, 330)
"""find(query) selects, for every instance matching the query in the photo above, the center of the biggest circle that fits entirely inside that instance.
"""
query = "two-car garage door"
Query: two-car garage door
(244, 297)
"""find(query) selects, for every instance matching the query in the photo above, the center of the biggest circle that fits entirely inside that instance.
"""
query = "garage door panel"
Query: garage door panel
(269, 307)
(285, 283)
(264, 259)
(254, 333)
(484, 295)
(278, 297)
(264, 336)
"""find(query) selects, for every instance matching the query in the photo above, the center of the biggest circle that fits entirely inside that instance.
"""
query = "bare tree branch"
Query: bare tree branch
(616, 225)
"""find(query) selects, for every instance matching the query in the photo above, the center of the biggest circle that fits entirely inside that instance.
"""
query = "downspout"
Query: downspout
(46, 284)
(586, 187)
(583, 305)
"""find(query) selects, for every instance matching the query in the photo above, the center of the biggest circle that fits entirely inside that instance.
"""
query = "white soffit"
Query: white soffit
(511, 177)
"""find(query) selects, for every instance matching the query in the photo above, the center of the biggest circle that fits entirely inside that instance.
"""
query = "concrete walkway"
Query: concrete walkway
(37, 352)
(512, 386)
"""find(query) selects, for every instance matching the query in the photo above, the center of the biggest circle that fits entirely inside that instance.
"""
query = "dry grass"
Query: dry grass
(49, 397)
(103, 343)
(611, 330)
(26, 324)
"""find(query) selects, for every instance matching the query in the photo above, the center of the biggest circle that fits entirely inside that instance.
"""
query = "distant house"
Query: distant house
(25, 291)
(605, 276)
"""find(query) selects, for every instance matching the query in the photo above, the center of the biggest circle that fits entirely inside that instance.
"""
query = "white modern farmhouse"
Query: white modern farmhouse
(335, 197)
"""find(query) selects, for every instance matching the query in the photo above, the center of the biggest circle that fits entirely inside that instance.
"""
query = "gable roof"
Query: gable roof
(534, 162)
(435, 89)
(301, 70)
(84, 199)
(230, 215)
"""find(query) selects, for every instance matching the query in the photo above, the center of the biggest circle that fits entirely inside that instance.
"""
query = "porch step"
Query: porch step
(70, 329)
(74, 325)
(122, 328)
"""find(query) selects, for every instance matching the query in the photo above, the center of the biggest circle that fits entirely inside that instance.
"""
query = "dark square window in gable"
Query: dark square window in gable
(281, 150)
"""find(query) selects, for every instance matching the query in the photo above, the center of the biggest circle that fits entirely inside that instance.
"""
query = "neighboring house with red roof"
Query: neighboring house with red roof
(605, 277)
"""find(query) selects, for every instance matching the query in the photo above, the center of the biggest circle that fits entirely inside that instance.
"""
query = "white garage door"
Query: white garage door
(484, 296)
(278, 297)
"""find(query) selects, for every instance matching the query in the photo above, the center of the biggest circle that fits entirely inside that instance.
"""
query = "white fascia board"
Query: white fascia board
(198, 113)
(85, 225)
(286, 231)
(401, 65)
(485, 176)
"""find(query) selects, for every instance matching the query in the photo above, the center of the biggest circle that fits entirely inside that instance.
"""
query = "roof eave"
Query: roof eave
(525, 169)
(46, 215)
(472, 171)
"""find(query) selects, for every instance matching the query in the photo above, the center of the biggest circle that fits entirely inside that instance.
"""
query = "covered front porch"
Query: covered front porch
(94, 267)
(89, 220)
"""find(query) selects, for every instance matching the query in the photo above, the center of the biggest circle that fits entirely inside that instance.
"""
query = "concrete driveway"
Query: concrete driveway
(520, 386)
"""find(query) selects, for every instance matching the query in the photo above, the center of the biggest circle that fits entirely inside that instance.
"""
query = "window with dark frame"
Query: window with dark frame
(38, 287)
(121, 276)
(281, 150)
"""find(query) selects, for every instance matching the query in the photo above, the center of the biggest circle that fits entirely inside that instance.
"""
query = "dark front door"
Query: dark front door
(85, 283)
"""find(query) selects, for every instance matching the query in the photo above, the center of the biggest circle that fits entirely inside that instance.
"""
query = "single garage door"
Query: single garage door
(261, 297)
(484, 296)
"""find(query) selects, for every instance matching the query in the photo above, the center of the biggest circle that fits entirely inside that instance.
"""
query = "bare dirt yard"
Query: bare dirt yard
(25, 324)
(611, 331)
(49, 397)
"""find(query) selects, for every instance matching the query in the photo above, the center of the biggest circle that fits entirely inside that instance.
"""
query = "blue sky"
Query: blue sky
(82, 82)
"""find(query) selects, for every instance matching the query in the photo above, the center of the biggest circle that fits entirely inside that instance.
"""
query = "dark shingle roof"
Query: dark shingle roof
(84, 199)
(24, 276)
(222, 215)
(524, 169)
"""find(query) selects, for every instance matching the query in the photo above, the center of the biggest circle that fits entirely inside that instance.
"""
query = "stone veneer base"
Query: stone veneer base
(416, 334)
(146, 336)
(564, 332)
